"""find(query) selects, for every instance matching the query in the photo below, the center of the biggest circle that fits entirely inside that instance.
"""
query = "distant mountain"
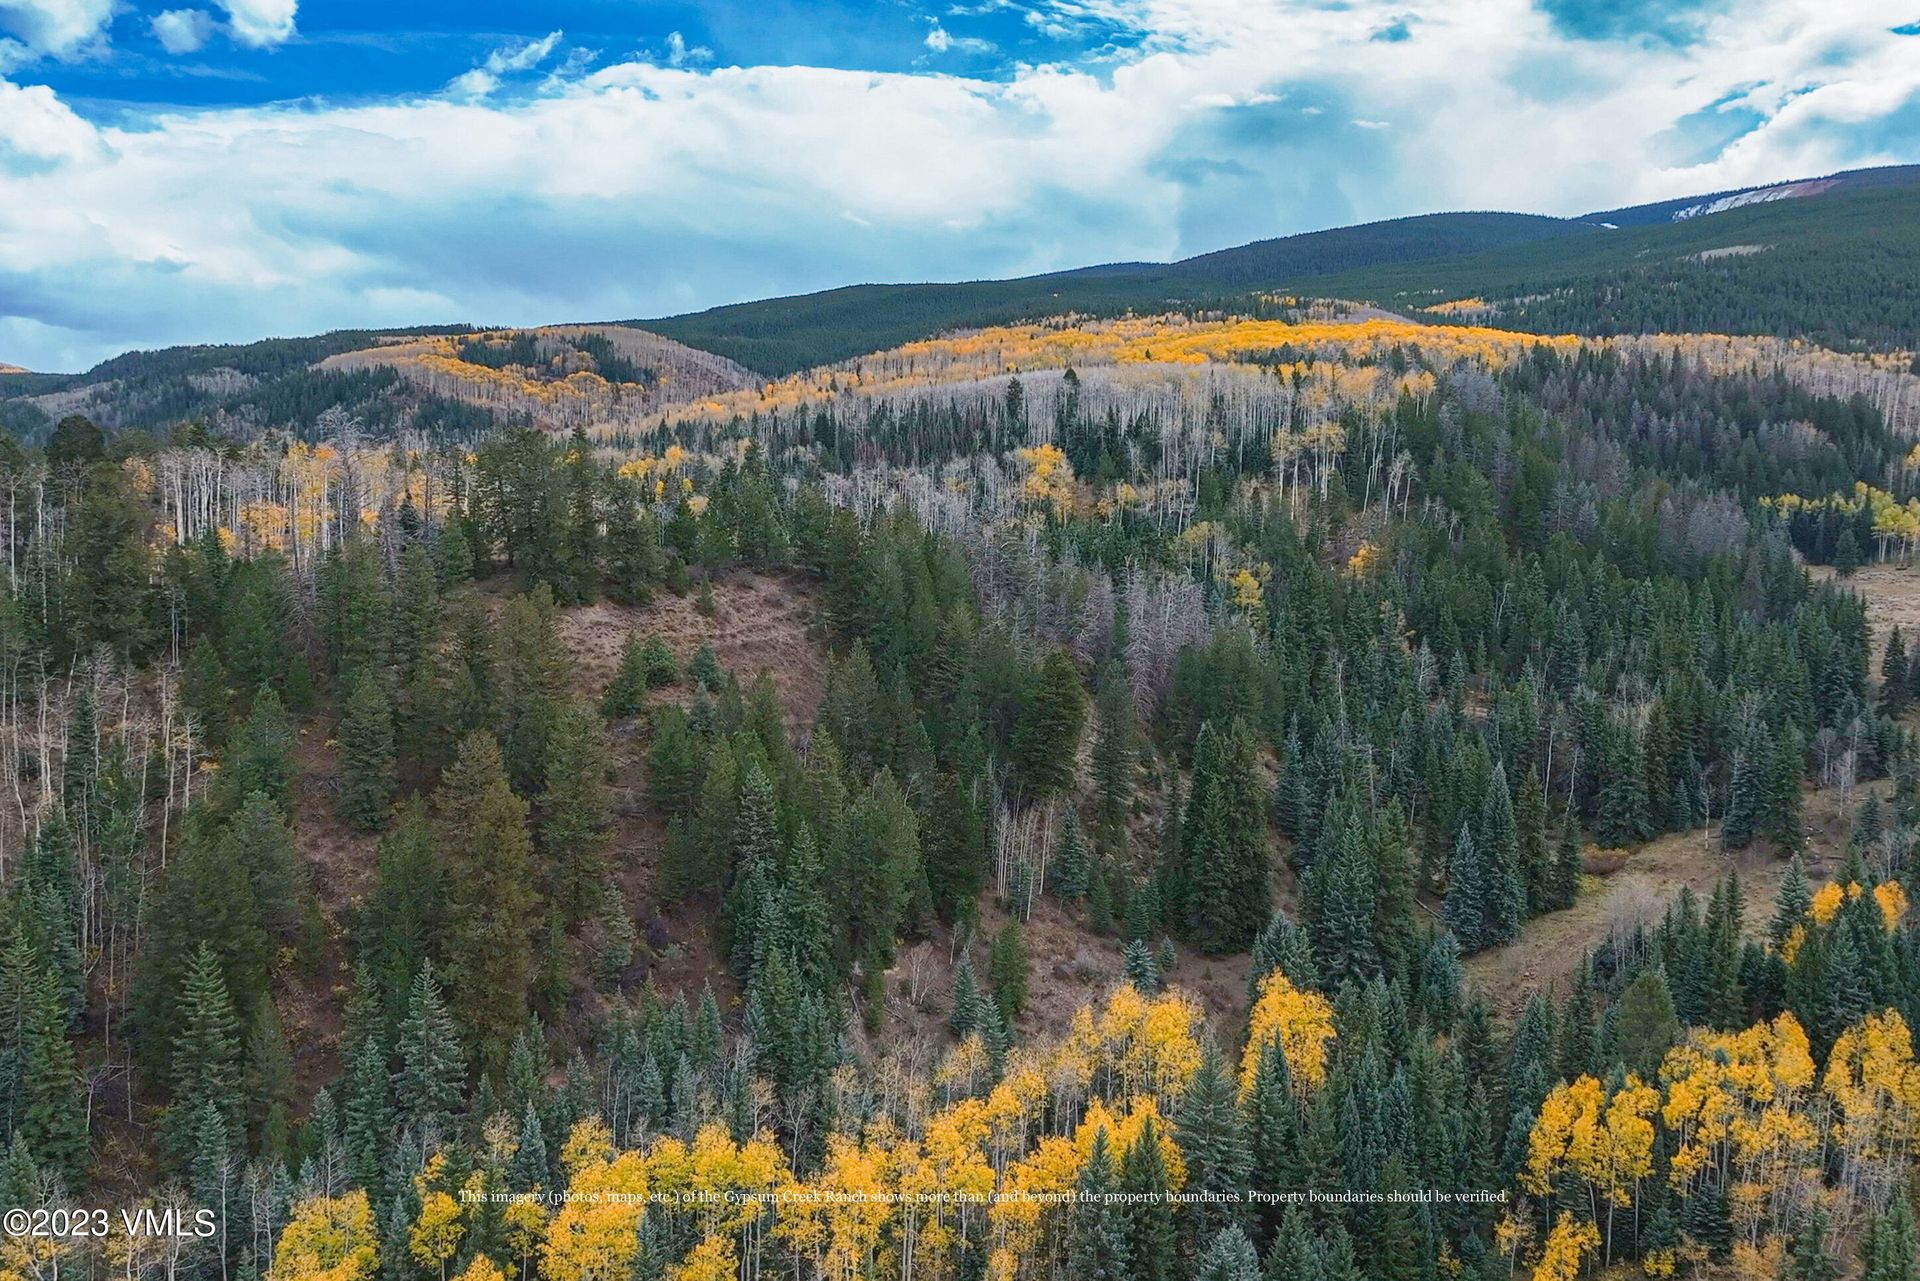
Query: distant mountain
(1686, 207)
(780, 335)
(1833, 259)
(11, 369)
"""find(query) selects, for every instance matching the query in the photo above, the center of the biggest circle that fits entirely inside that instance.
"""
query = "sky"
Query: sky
(233, 169)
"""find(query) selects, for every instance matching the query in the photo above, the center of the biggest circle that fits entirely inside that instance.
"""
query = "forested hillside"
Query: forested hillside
(1840, 264)
(1067, 800)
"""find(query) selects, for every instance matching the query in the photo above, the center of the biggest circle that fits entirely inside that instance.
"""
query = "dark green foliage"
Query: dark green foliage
(1007, 971)
(1046, 735)
(480, 828)
(366, 755)
(1223, 848)
(573, 818)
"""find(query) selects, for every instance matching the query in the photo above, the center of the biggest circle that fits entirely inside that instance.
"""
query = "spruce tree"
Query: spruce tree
(481, 827)
(573, 810)
(1098, 1248)
(1223, 853)
(1229, 1257)
(1007, 971)
(366, 754)
(1890, 1252)
(1046, 733)
(1152, 1239)
(206, 1069)
(427, 1084)
(1565, 883)
(1896, 685)
(1212, 1138)
(1140, 968)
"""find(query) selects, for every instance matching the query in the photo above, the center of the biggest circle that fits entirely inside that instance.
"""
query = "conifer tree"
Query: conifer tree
(1071, 867)
(1140, 968)
(1007, 971)
(1152, 1239)
(1791, 904)
(1229, 1257)
(366, 755)
(1779, 817)
(1097, 1250)
(1565, 883)
(43, 1092)
(481, 828)
(1213, 1140)
(1046, 734)
(1811, 1262)
(427, 1084)
(1113, 758)
(206, 1070)
(573, 824)
(1890, 1252)
(1747, 789)
(673, 763)
(1223, 855)
(963, 1016)
(1896, 685)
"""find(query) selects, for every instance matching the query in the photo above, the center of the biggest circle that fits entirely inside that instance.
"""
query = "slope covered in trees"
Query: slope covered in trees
(1315, 650)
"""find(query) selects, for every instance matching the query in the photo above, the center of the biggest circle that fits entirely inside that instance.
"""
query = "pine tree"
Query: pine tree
(1113, 758)
(1889, 1252)
(206, 1068)
(1811, 1262)
(573, 824)
(1046, 734)
(963, 1016)
(481, 827)
(1896, 686)
(1565, 884)
(1071, 869)
(1343, 912)
(1152, 1240)
(1747, 790)
(1792, 904)
(427, 1085)
(1469, 887)
(1139, 966)
(1212, 1139)
(366, 755)
(1230, 1257)
(1007, 971)
(1097, 1249)
(1779, 817)
(1223, 852)
(673, 763)
(44, 1094)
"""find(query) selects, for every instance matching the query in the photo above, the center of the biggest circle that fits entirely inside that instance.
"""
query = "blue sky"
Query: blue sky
(223, 170)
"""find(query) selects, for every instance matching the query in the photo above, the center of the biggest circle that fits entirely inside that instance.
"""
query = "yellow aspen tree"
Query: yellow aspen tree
(328, 1239)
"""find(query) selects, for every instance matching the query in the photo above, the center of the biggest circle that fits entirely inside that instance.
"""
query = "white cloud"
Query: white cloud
(641, 188)
(522, 55)
(940, 40)
(59, 28)
(679, 54)
(183, 30)
(260, 24)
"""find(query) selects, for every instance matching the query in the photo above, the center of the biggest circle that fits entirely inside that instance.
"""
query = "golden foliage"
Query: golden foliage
(1303, 1022)
(327, 1239)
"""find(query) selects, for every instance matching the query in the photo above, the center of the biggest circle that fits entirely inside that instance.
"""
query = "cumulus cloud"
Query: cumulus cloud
(260, 24)
(646, 188)
(56, 28)
(183, 30)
